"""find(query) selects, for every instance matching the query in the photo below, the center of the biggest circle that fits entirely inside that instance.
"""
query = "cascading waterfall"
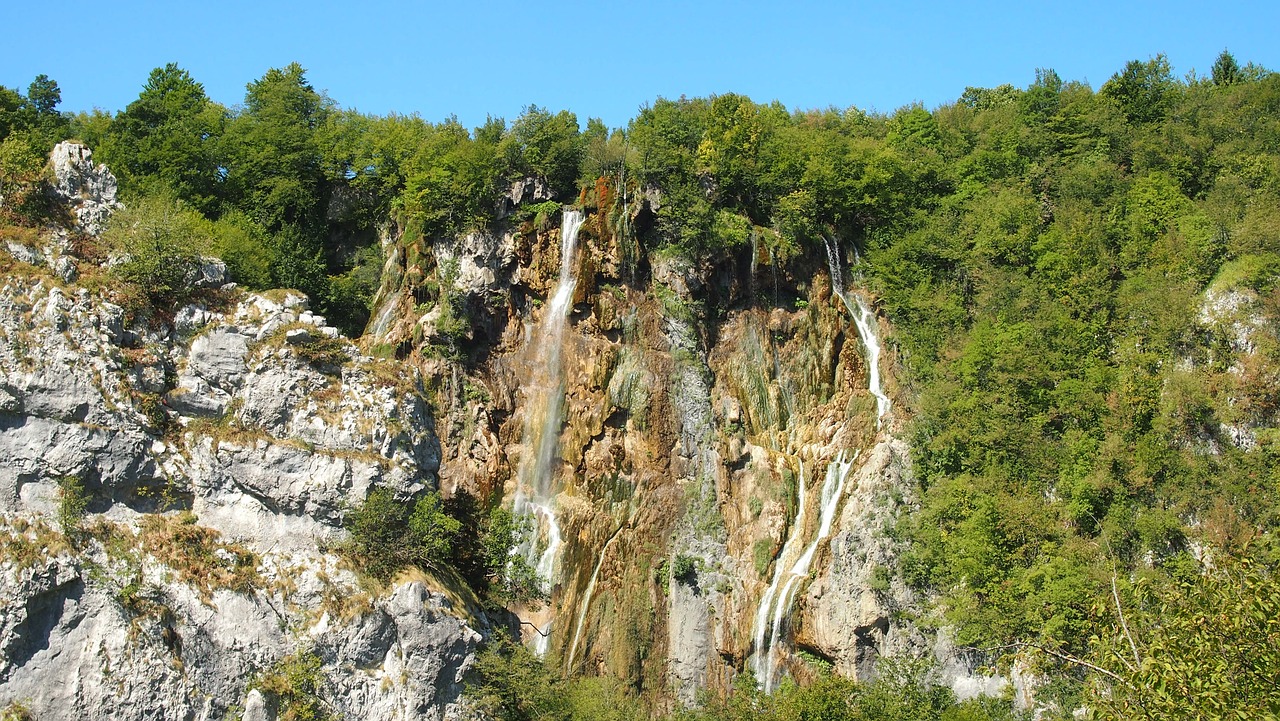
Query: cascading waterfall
(777, 599)
(535, 496)
(760, 662)
(865, 321)
(832, 489)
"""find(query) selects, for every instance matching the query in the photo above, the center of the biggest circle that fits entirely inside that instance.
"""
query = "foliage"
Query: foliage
(1207, 646)
(293, 685)
(21, 190)
(904, 689)
(73, 502)
(166, 140)
(484, 553)
(512, 579)
(547, 145)
(684, 569)
(512, 684)
(388, 535)
(159, 242)
(1144, 91)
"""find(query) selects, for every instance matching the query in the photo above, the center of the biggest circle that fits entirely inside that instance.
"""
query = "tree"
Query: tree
(1144, 91)
(11, 105)
(388, 535)
(1040, 101)
(160, 241)
(44, 95)
(275, 169)
(1225, 70)
(168, 138)
(1205, 647)
(548, 145)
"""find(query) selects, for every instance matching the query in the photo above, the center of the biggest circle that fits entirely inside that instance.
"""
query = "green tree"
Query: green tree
(548, 145)
(167, 139)
(388, 535)
(1226, 71)
(44, 96)
(160, 242)
(1144, 91)
(11, 106)
(1204, 647)
(275, 174)
(275, 169)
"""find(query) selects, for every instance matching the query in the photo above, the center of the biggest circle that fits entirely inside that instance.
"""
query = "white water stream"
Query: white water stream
(585, 603)
(535, 495)
(785, 585)
(788, 574)
(761, 661)
(865, 321)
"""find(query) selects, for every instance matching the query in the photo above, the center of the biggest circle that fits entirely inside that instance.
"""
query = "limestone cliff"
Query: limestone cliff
(216, 453)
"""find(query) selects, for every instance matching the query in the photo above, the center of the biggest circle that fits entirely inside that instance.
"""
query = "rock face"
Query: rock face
(74, 650)
(88, 190)
(267, 442)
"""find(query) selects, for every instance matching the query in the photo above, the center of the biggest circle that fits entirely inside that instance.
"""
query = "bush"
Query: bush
(160, 243)
(685, 568)
(293, 686)
(72, 504)
(388, 535)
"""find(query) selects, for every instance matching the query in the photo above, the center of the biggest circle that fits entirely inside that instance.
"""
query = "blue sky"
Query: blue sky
(606, 59)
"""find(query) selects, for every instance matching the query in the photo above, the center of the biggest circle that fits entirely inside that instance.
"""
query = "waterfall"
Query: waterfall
(792, 570)
(760, 661)
(535, 496)
(865, 321)
(829, 500)
(585, 603)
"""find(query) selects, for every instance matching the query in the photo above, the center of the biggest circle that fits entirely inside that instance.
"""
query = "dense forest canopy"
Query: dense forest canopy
(1060, 266)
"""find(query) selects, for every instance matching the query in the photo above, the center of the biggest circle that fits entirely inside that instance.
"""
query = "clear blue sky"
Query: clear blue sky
(605, 59)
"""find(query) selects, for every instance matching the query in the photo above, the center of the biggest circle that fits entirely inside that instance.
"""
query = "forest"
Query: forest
(1092, 419)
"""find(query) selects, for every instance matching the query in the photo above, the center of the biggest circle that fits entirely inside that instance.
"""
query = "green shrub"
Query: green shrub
(388, 535)
(160, 242)
(72, 505)
(684, 569)
(293, 686)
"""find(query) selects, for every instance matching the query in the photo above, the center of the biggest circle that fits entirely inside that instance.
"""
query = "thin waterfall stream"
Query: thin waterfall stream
(865, 321)
(760, 662)
(787, 576)
(585, 603)
(788, 573)
(535, 496)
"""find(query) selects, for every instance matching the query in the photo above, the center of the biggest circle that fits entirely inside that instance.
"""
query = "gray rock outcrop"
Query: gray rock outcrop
(267, 443)
(89, 190)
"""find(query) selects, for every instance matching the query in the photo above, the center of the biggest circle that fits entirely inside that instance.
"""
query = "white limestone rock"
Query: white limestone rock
(89, 190)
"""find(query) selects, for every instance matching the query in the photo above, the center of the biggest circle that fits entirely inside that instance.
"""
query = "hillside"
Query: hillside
(967, 412)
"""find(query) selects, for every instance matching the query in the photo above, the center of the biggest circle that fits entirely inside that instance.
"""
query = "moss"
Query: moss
(762, 556)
